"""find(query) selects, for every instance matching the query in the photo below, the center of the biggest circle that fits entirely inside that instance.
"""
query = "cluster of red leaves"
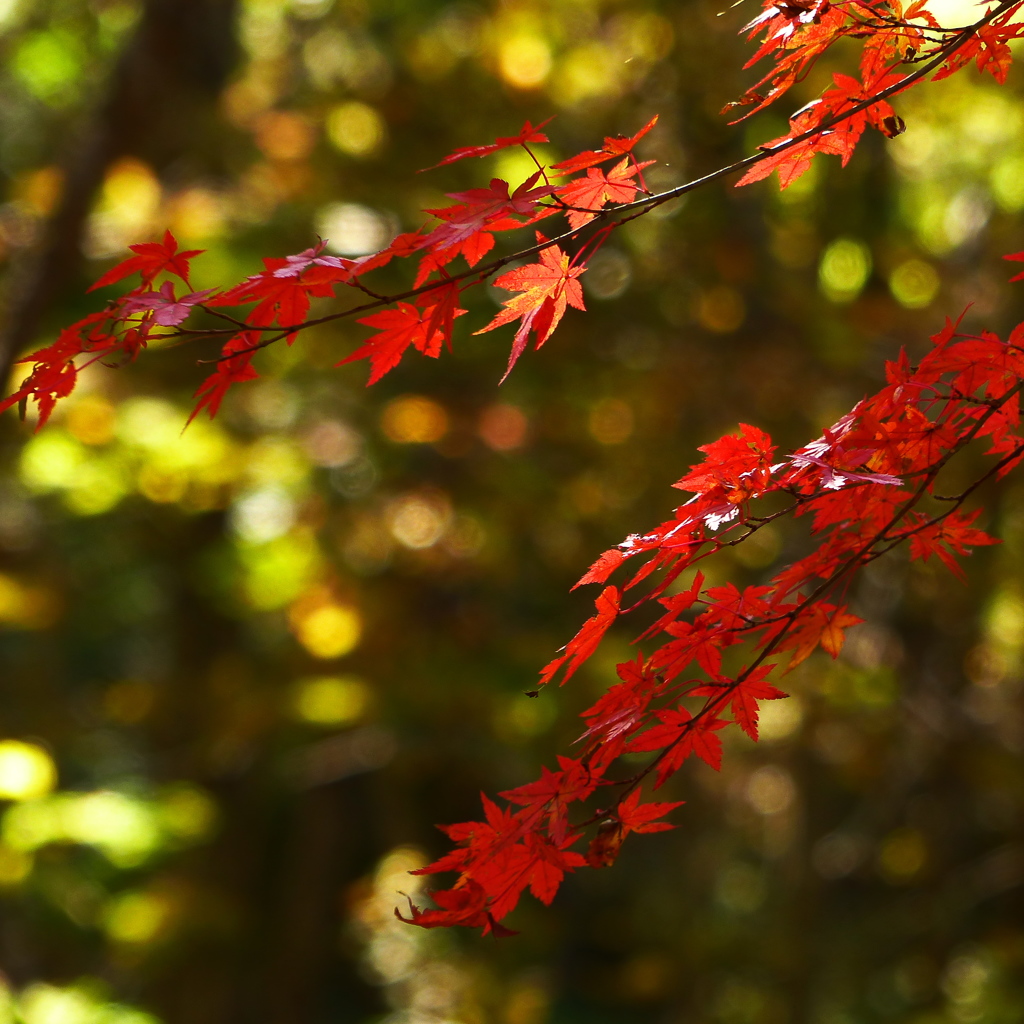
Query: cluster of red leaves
(866, 485)
(797, 32)
(116, 333)
(280, 295)
(586, 188)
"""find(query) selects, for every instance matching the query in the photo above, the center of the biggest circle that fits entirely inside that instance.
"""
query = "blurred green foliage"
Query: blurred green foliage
(248, 666)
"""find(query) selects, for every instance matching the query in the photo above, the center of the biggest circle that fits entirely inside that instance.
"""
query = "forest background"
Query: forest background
(257, 661)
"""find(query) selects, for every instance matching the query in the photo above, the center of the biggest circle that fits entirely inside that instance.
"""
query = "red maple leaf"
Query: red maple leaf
(586, 641)
(463, 905)
(637, 817)
(402, 326)
(679, 735)
(167, 310)
(151, 259)
(552, 793)
(954, 535)
(629, 816)
(1016, 257)
(482, 207)
(528, 133)
(602, 568)
(743, 695)
(620, 710)
(614, 146)
(817, 625)
(232, 370)
(589, 194)
(546, 289)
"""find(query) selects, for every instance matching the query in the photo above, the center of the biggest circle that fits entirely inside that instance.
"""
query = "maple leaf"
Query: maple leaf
(480, 207)
(47, 383)
(676, 605)
(694, 642)
(620, 710)
(586, 641)
(151, 259)
(546, 289)
(630, 816)
(679, 735)
(549, 867)
(614, 146)
(602, 568)
(738, 465)
(637, 817)
(401, 327)
(589, 194)
(464, 905)
(1017, 257)
(282, 290)
(954, 534)
(817, 625)
(233, 370)
(528, 133)
(743, 694)
(554, 791)
(167, 310)
(295, 265)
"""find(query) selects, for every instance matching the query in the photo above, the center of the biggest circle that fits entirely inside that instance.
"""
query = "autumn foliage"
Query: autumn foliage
(706, 655)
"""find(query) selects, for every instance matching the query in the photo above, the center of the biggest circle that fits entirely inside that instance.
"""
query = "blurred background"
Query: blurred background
(248, 667)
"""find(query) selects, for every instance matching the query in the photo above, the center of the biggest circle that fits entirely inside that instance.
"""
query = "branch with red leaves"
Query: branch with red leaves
(596, 191)
(867, 485)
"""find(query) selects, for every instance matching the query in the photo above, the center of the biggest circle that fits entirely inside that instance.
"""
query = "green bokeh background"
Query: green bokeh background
(268, 654)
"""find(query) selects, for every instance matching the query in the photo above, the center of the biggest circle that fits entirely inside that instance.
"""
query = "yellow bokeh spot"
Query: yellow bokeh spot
(902, 855)
(26, 607)
(26, 771)
(330, 631)
(326, 628)
(15, 866)
(779, 719)
(273, 460)
(151, 423)
(524, 61)
(160, 484)
(136, 917)
(48, 1004)
(1007, 179)
(914, 284)
(520, 718)
(122, 828)
(844, 269)
(51, 461)
(187, 812)
(588, 72)
(277, 572)
(91, 420)
(770, 790)
(197, 214)
(413, 419)
(98, 486)
(129, 202)
(356, 129)
(331, 700)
